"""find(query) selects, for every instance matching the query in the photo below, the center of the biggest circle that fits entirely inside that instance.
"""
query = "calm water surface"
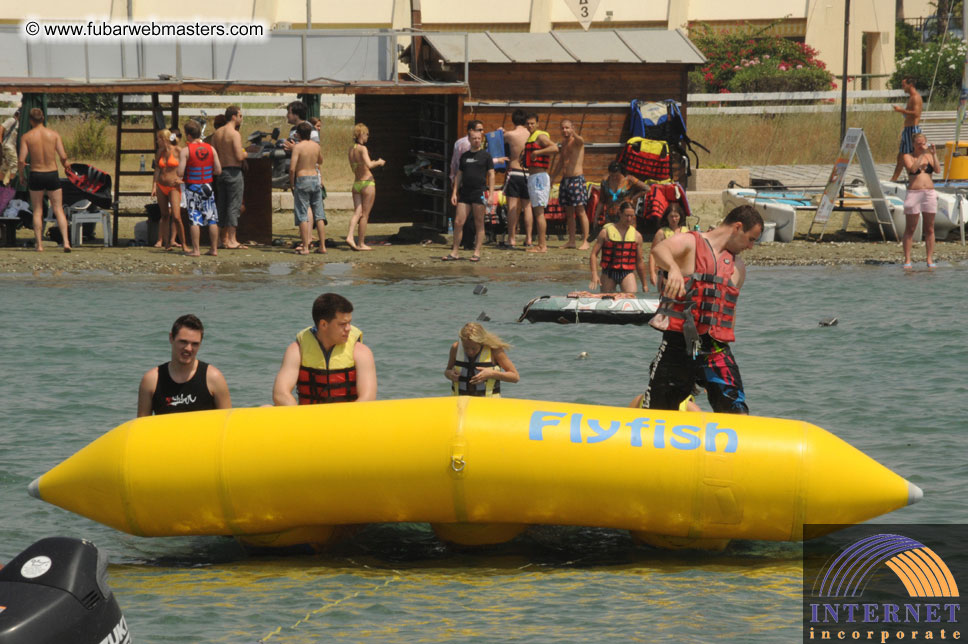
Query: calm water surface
(890, 378)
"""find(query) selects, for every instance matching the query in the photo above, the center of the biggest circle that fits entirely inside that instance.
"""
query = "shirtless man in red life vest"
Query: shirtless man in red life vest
(695, 339)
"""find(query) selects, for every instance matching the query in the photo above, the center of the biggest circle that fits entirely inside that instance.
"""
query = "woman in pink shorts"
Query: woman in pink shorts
(921, 199)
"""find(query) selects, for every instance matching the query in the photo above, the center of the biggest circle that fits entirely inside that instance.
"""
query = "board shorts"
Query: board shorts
(918, 201)
(516, 185)
(675, 372)
(907, 139)
(229, 187)
(200, 203)
(539, 189)
(472, 196)
(308, 194)
(48, 181)
(571, 191)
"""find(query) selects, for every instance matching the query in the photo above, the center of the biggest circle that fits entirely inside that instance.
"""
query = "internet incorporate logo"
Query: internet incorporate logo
(884, 587)
(922, 572)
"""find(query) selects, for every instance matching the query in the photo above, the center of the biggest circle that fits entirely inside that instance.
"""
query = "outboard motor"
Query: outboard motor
(56, 591)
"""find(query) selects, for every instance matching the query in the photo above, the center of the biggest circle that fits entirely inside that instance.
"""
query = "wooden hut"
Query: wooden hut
(586, 76)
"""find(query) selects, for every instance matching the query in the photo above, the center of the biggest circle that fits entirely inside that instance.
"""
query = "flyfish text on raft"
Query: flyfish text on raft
(593, 430)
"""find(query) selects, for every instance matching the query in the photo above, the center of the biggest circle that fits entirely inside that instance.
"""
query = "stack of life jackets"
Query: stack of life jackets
(645, 159)
(657, 200)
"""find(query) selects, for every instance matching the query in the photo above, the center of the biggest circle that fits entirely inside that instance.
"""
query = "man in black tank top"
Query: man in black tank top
(185, 383)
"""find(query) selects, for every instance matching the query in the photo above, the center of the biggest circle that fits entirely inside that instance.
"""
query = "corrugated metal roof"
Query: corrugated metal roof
(481, 49)
(531, 48)
(661, 46)
(594, 46)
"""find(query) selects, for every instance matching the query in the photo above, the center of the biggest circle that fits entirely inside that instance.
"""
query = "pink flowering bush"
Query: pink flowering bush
(761, 63)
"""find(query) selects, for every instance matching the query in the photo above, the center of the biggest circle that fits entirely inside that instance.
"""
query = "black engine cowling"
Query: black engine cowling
(56, 591)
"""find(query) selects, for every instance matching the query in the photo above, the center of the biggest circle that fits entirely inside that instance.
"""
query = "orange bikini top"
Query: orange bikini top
(170, 162)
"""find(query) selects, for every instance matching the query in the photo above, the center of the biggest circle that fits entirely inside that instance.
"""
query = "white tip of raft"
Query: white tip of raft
(915, 493)
(34, 488)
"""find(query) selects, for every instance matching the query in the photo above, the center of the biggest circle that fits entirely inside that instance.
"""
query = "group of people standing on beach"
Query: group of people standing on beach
(532, 158)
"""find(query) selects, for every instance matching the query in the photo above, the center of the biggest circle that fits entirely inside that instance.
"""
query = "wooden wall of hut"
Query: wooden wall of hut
(507, 85)
(396, 133)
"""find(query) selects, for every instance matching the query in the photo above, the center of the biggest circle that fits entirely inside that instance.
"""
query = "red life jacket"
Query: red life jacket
(617, 253)
(709, 305)
(532, 162)
(200, 166)
(659, 197)
(326, 379)
(645, 159)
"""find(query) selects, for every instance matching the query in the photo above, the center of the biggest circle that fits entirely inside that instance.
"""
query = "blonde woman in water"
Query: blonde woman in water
(364, 187)
(479, 363)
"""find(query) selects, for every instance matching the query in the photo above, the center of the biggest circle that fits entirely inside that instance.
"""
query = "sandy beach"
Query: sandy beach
(390, 257)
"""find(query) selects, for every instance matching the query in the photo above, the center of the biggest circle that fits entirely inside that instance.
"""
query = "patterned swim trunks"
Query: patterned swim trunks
(907, 138)
(571, 191)
(200, 203)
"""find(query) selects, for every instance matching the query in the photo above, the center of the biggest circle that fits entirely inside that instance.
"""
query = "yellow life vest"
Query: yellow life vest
(668, 232)
(468, 368)
(326, 381)
(532, 161)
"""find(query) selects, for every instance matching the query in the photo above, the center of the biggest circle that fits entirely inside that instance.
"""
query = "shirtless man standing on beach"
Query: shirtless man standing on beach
(229, 185)
(307, 192)
(43, 146)
(571, 193)
(912, 118)
(516, 182)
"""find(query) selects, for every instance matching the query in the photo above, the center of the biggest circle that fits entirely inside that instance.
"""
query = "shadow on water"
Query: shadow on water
(415, 546)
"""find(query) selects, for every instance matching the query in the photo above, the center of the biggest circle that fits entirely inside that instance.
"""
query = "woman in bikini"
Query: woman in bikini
(364, 187)
(921, 200)
(616, 188)
(165, 189)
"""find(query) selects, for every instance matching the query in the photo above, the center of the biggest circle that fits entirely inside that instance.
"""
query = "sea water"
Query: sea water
(890, 378)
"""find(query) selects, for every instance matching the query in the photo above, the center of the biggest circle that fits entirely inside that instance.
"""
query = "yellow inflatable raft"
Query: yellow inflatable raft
(480, 470)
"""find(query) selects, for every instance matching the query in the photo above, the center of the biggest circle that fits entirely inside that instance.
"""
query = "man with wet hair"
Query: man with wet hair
(328, 362)
(184, 383)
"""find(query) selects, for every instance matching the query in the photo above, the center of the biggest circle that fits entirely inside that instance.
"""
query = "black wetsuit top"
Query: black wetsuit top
(171, 397)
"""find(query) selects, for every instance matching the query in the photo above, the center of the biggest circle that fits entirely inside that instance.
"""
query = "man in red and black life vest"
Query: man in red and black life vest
(328, 362)
(536, 159)
(620, 246)
(198, 165)
(697, 314)
(185, 383)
